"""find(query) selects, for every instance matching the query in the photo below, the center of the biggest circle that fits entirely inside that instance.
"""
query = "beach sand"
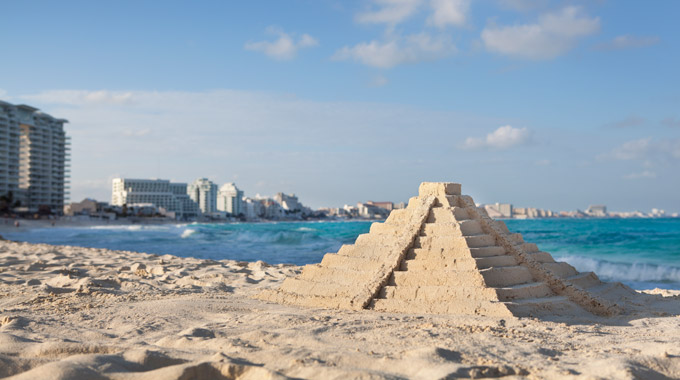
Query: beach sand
(75, 313)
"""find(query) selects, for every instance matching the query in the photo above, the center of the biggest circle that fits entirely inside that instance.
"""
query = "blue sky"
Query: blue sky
(551, 104)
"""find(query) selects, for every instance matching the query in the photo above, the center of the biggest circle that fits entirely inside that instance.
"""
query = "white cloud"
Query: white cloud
(640, 175)
(3, 93)
(543, 162)
(448, 12)
(397, 50)
(553, 35)
(71, 97)
(389, 12)
(635, 149)
(502, 138)
(648, 150)
(628, 42)
(285, 47)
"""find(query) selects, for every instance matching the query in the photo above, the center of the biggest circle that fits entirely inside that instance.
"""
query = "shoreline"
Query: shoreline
(70, 312)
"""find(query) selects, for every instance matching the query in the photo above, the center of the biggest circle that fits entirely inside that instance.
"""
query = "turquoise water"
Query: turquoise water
(643, 253)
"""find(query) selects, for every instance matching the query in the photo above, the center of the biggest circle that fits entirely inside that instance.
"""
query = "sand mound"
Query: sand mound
(444, 255)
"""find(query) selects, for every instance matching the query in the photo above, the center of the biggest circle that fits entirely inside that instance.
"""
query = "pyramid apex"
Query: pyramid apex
(439, 188)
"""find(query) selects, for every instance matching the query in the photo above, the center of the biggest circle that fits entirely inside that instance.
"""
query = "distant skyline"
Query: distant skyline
(549, 104)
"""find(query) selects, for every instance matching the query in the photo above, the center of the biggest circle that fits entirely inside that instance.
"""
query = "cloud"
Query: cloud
(397, 50)
(554, 34)
(389, 12)
(628, 42)
(502, 138)
(71, 97)
(630, 121)
(285, 47)
(640, 175)
(448, 12)
(671, 122)
(634, 149)
(647, 150)
(543, 162)
(3, 93)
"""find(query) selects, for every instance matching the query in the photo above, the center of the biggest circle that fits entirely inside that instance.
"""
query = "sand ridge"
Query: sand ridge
(72, 313)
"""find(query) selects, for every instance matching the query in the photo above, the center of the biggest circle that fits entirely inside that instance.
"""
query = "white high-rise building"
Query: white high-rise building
(9, 149)
(204, 192)
(38, 142)
(230, 199)
(160, 192)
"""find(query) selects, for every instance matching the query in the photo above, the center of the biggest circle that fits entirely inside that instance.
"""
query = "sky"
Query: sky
(539, 103)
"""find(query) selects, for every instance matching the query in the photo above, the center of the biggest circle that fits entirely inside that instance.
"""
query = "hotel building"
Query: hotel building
(162, 193)
(230, 199)
(34, 157)
(204, 192)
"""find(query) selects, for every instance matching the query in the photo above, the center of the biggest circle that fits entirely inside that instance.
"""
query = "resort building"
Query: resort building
(597, 211)
(9, 149)
(389, 206)
(171, 197)
(204, 192)
(34, 157)
(230, 199)
(289, 202)
(188, 209)
(370, 211)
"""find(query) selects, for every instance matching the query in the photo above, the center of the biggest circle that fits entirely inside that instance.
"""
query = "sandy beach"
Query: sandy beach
(73, 313)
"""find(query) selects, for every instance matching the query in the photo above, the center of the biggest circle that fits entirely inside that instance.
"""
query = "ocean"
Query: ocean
(642, 253)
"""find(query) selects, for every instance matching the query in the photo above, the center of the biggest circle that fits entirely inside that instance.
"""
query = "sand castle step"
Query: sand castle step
(447, 215)
(474, 307)
(535, 307)
(584, 280)
(466, 227)
(442, 254)
(524, 291)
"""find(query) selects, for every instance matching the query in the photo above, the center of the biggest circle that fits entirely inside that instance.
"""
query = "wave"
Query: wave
(134, 227)
(186, 233)
(632, 272)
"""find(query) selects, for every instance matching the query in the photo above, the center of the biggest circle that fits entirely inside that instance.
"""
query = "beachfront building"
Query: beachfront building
(188, 209)
(9, 149)
(499, 210)
(389, 206)
(163, 194)
(370, 211)
(597, 211)
(230, 199)
(34, 157)
(204, 193)
(288, 202)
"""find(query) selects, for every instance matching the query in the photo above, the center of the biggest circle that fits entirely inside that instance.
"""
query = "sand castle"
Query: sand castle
(444, 255)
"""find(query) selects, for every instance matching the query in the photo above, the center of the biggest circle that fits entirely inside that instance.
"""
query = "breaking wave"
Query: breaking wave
(625, 272)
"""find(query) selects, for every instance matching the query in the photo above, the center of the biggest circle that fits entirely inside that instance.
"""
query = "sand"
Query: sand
(75, 313)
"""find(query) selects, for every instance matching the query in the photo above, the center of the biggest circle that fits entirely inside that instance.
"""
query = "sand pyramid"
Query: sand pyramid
(444, 255)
